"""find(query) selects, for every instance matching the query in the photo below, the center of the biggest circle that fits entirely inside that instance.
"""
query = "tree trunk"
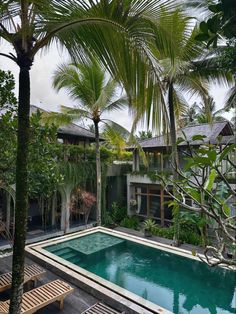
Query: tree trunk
(174, 155)
(21, 191)
(98, 170)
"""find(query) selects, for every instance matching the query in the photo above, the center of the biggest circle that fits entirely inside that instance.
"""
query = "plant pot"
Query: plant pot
(147, 233)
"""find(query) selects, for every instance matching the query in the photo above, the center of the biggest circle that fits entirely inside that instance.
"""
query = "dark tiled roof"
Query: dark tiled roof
(71, 129)
(211, 131)
(75, 130)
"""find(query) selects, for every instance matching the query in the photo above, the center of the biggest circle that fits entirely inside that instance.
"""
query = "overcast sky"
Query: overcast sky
(43, 95)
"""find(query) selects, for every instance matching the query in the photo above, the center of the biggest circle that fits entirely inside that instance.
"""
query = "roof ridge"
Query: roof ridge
(205, 123)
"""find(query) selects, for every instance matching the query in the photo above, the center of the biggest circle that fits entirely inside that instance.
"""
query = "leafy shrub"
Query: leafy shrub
(118, 213)
(107, 220)
(115, 216)
(130, 222)
(187, 235)
(167, 233)
(190, 237)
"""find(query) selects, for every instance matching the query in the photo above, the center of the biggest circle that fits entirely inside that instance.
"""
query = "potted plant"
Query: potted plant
(149, 226)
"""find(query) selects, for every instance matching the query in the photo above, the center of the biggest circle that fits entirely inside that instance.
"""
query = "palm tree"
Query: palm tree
(207, 112)
(82, 27)
(183, 70)
(116, 138)
(189, 116)
(87, 84)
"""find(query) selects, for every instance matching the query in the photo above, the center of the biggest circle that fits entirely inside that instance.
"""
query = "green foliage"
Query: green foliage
(8, 127)
(221, 23)
(115, 216)
(143, 135)
(203, 180)
(149, 225)
(7, 97)
(164, 232)
(107, 220)
(130, 222)
(118, 213)
(186, 235)
(44, 173)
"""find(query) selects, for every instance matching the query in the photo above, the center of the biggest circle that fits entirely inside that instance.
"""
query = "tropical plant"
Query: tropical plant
(204, 112)
(207, 112)
(8, 99)
(143, 135)
(204, 181)
(115, 138)
(149, 225)
(189, 116)
(195, 222)
(221, 22)
(43, 171)
(130, 222)
(184, 69)
(118, 212)
(95, 95)
(81, 27)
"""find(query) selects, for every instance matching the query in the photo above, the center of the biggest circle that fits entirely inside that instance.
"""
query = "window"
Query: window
(153, 202)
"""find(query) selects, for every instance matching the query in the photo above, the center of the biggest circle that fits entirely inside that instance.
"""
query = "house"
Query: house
(145, 197)
(58, 213)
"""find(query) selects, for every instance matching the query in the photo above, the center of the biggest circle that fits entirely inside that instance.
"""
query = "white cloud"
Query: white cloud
(43, 95)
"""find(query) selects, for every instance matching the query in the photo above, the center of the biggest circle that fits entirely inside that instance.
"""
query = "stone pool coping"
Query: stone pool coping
(112, 294)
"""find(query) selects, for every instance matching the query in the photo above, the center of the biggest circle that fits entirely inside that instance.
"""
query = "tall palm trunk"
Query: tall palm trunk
(21, 190)
(99, 176)
(174, 155)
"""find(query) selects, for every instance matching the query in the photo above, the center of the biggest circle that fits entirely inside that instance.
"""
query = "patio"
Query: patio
(75, 303)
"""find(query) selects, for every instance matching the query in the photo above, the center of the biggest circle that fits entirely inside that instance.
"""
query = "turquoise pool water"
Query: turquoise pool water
(179, 284)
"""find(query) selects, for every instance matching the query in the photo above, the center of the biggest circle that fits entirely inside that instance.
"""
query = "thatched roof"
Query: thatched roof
(213, 133)
(71, 129)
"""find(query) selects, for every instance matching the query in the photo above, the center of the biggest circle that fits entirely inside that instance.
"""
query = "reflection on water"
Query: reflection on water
(178, 284)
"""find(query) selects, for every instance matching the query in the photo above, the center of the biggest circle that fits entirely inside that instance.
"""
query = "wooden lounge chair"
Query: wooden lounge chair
(32, 273)
(41, 296)
(101, 308)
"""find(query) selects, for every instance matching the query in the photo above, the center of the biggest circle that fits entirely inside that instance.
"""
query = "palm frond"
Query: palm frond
(75, 113)
(230, 99)
(117, 128)
(56, 118)
(118, 104)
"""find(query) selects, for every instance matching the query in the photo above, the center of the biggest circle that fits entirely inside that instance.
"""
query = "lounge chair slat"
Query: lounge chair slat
(31, 272)
(35, 296)
(107, 309)
(39, 297)
(49, 292)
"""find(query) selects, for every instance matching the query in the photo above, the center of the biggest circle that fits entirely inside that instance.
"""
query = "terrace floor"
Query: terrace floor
(140, 234)
(40, 235)
(79, 300)
(75, 303)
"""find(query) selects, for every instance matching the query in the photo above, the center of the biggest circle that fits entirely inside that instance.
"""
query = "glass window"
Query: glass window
(155, 206)
(156, 192)
(143, 205)
(144, 190)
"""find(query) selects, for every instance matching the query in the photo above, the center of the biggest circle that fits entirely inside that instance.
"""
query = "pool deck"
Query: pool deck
(41, 235)
(184, 246)
(75, 303)
(81, 300)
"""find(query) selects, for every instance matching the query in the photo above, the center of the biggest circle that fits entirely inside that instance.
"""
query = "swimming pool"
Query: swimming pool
(172, 281)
